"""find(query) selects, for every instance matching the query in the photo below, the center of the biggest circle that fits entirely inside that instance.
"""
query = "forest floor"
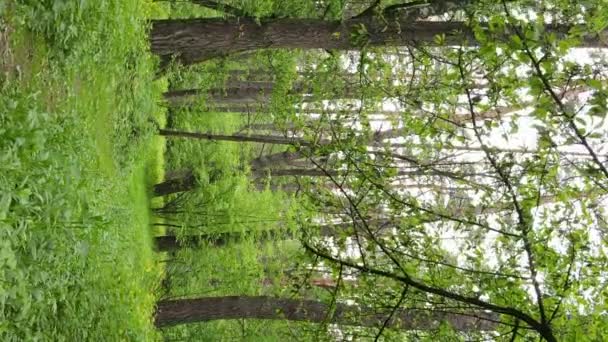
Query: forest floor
(78, 153)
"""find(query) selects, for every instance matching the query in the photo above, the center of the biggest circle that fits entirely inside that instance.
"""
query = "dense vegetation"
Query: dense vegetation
(78, 110)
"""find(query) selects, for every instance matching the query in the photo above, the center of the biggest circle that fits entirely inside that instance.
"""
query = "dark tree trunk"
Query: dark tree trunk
(195, 40)
(172, 186)
(170, 243)
(182, 311)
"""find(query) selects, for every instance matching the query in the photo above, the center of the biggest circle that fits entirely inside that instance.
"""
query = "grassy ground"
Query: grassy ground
(77, 153)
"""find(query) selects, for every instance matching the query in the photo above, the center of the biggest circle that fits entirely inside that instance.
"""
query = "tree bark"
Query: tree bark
(170, 243)
(172, 186)
(276, 159)
(235, 137)
(239, 93)
(196, 40)
(234, 94)
(182, 311)
(315, 172)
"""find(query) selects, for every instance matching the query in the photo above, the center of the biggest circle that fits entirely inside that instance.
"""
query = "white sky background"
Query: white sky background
(525, 138)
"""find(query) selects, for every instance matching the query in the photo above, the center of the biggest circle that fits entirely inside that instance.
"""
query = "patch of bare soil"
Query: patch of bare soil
(7, 58)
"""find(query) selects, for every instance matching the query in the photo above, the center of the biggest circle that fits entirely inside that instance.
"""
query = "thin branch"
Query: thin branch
(406, 279)
(514, 331)
(390, 316)
(523, 224)
(566, 286)
(408, 6)
(558, 101)
(368, 11)
(431, 212)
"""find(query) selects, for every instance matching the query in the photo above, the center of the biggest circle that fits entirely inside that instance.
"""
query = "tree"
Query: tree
(170, 243)
(277, 159)
(235, 93)
(210, 38)
(234, 137)
(195, 40)
(182, 311)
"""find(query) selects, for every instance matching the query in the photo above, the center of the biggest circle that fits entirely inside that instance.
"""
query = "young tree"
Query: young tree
(235, 137)
(171, 243)
(235, 93)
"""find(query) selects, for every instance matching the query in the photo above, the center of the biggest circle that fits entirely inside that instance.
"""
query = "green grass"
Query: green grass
(77, 153)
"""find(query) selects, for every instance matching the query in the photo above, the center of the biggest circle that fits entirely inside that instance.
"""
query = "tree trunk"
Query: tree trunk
(171, 186)
(196, 40)
(169, 243)
(239, 93)
(276, 159)
(315, 172)
(235, 93)
(235, 137)
(182, 311)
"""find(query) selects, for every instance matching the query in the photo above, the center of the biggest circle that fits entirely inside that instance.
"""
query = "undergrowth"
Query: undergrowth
(77, 118)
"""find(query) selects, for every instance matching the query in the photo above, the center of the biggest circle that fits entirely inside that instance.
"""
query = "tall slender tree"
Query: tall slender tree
(182, 311)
